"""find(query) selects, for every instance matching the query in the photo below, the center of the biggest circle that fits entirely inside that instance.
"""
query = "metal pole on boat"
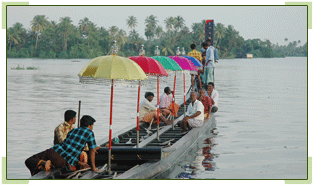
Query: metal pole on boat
(79, 113)
(110, 128)
(138, 115)
(184, 96)
(158, 109)
(174, 102)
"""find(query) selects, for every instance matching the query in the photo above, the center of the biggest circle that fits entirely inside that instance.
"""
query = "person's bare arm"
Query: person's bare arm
(92, 156)
(192, 116)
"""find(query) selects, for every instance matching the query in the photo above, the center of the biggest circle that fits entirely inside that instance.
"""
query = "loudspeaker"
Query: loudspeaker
(209, 32)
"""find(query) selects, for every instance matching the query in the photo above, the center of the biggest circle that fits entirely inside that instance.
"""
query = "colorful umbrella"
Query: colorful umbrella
(153, 68)
(107, 70)
(186, 65)
(170, 65)
(195, 61)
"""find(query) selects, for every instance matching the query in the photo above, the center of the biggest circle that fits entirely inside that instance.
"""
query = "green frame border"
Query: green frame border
(309, 24)
(4, 176)
(309, 11)
(4, 11)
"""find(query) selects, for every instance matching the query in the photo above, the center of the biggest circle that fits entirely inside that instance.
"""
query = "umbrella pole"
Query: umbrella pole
(110, 128)
(79, 113)
(158, 109)
(174, 102)
(138, 115)
(184, 96)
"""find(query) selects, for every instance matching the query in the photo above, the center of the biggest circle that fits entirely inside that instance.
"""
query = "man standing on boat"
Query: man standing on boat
(68, 152)
(211, 57)
(62, 130)
(194, 115)
(214, 95)
(194, 53)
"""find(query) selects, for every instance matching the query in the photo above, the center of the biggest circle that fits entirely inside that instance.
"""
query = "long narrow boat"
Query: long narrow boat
(151, 160)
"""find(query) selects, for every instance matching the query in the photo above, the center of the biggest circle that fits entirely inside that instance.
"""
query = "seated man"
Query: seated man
(147, 111)
(214, 95)
(166, 104)
(68, 152)
(207, 103)
(62, 130)
(194, 115)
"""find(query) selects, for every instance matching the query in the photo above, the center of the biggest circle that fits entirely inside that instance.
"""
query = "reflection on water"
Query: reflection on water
(201, 155)
(262, 120)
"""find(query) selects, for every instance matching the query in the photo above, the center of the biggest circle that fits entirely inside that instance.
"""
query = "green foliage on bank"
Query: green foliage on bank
(64, 40)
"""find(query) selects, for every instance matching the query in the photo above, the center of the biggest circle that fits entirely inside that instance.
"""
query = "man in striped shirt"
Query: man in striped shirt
(68, 152)
(194, 53)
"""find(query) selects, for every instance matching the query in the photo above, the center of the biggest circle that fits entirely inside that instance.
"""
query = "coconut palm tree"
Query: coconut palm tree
(83, 24)
(158, 32)
(169, 23)
(122, 36)
(65, 28)
(198, 32)
(20, 33)
(132, 22)
(151, 20)
(13, 37)
(119, 35)
(219, 33)
(135, 39)
(179, 22)
(113, 32)
(39, 24)
(151, 23)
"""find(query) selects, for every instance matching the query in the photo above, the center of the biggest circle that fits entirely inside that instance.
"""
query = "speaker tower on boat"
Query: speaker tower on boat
(209, 31)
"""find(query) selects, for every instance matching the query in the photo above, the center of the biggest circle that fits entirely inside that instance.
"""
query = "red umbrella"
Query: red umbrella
(152, 68)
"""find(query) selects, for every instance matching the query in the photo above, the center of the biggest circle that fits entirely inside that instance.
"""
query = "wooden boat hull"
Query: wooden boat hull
(170, 155)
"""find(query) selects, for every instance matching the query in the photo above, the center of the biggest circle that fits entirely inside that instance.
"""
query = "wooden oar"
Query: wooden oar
(79, 113)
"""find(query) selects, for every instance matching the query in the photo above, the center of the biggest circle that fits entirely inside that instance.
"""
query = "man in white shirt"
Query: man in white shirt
(211, 57)
(147, 111)
(214, 95)
(194, 115)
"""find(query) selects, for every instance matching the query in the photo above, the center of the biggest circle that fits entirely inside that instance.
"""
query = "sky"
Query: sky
(263, 22)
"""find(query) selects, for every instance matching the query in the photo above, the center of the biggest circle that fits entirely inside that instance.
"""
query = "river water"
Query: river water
(261, 124)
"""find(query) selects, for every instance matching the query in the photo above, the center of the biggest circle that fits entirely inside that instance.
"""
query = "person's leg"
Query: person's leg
(34, 161)
(192, 80)
(165, 120)
(184, 125)
(199, 80)
(165, 111)
(211, 74)
(56, 160)
(162, 118)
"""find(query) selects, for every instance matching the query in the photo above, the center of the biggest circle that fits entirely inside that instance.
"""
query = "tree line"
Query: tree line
(49, 39)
